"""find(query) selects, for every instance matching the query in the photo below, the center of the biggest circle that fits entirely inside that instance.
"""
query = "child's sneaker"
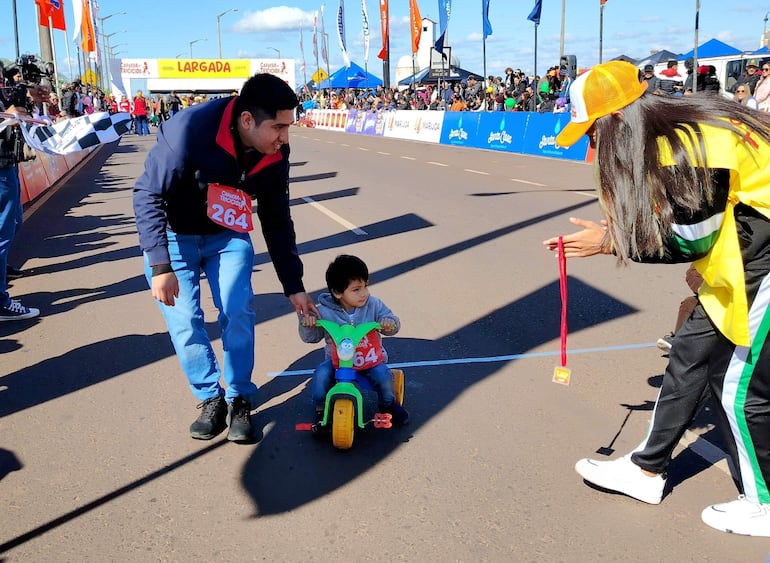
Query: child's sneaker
(15, 311)
(400, 414)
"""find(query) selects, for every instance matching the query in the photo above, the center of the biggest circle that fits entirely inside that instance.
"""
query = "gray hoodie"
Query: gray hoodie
(373, 311)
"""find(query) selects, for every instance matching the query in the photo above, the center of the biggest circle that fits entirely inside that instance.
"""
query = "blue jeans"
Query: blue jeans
(10, 221)
(142, 125)
(227, 260)
(379, 376)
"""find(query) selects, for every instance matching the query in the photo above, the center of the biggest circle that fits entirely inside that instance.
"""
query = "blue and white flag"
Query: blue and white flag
(365, 15)
(341, 33)
(444, 10)
(76, 134)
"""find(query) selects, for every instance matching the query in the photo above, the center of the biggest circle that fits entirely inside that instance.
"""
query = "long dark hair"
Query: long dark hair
(635, 190)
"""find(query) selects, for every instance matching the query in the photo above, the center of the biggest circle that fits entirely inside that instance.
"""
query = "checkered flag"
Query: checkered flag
(76, 134)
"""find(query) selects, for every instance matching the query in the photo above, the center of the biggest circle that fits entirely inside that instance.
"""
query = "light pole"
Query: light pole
(276, 50)
(764, 31)
(193, 42)
(179, 55)
(105, 65)
(105, 69)
(219, 35)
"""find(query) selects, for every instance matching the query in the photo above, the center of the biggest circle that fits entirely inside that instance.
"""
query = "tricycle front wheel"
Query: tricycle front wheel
(343, 423)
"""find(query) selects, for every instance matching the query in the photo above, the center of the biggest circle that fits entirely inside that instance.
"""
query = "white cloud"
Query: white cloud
(279, 18)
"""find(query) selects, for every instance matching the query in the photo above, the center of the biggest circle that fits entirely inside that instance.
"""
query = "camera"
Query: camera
(33, 73)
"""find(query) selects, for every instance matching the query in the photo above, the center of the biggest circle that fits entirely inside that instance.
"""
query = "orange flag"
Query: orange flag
(416, 23)
(88, 31)
(385, 29)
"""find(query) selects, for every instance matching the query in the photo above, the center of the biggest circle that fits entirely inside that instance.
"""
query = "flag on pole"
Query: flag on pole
(365, 15)
(77, 13)
(324, 52)
(315, 37)
(54, 10)
(385, 29)
(341, 33)
(485, 16)
(534, 15)
(301, 47)
(444, 10)
(415, 20)
(87, 28)
(602, 2)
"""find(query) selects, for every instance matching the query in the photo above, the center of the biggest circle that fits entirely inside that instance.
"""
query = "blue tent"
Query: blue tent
(353, 77)
(712, 48)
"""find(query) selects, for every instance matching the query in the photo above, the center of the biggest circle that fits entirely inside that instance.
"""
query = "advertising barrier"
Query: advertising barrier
(515, 132)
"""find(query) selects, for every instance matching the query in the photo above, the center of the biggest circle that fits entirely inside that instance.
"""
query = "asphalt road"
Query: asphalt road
(96, 463)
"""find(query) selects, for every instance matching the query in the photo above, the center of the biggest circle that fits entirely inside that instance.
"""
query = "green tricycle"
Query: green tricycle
(344, 405)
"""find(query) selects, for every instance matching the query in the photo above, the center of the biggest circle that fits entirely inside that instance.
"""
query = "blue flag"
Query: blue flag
(444, 10)
(485, 15)
(534, 15)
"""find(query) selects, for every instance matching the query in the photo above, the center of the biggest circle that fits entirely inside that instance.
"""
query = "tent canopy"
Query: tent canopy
(456, 74)
(712, 48)
(353, 77)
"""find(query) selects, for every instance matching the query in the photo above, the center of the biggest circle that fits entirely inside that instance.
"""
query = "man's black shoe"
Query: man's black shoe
(400, 416)
(241, 429)
(12, 273)
(212, 420)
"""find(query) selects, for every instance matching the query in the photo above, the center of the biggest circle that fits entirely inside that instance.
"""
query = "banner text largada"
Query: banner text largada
(204, 68)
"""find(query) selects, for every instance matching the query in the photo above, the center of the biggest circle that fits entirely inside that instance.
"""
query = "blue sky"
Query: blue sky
(261, 29)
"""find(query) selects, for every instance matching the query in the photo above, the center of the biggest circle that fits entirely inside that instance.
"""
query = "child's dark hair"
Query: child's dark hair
(343, 270)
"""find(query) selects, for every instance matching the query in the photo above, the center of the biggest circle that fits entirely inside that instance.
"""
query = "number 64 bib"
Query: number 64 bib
(368, 353)
(229, 207)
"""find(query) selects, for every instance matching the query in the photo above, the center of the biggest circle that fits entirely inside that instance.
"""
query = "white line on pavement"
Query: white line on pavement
(331, 214)
(585, 194)
(436, 163)
(527, 182)
(383, 153)
(408, 158)
(472, 171)
(363, 149)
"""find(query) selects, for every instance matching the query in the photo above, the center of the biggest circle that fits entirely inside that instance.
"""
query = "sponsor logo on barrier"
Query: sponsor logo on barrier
(547, 141)
(460, 134)
(502, 137)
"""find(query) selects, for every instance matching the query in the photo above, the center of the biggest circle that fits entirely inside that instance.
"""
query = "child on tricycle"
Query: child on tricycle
(348, 302)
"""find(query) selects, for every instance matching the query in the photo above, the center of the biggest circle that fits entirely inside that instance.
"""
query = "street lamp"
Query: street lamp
(105, 70)
(219, 36)
(764, 31)
(193, 42)
(179, 55)
(276, 50)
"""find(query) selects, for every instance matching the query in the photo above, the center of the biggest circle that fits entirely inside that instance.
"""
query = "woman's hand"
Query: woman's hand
(592, 240)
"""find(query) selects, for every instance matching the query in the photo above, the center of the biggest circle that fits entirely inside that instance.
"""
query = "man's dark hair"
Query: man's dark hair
(343, 270)
(264, 95)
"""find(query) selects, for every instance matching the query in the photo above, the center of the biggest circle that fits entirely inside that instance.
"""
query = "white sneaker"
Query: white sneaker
(740, 516)
(623, 476)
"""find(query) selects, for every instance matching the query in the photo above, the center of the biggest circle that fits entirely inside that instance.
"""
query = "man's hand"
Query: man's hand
(165, 287)
(303, 304)
(588, 242)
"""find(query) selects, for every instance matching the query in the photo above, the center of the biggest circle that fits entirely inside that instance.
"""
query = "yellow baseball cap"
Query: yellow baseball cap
(603, 89)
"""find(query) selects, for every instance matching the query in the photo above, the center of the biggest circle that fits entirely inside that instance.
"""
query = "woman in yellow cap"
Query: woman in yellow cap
(681, 180)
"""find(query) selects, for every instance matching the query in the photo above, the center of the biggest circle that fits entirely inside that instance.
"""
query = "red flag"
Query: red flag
(53, 9)
(602, 2)
(416, 24)
(385, 29)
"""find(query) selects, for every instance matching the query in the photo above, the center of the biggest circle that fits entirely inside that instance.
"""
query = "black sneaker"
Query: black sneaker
(241, 429)
(400, 416)
(12, 273)
(212, 420)
(15, 311)
(318, 429)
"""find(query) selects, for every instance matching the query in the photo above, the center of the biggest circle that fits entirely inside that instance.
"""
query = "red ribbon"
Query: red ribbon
(563, 292)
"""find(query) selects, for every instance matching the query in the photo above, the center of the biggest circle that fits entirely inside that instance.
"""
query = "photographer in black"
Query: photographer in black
(15, 99)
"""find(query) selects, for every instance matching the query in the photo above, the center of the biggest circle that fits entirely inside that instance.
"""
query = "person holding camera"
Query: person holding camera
(13, 100)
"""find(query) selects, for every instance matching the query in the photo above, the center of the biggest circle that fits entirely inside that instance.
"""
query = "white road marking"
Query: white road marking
(476, 171)
(344, 145)
(528, 182)
(436, 163)
(363, 149)
(408, 158)
(383, 153)
(331, 214)
(585, 194)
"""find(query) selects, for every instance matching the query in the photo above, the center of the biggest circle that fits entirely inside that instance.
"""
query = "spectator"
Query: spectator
(652, 81)
(751, 76)
(174, 104)
(743, 96)
(707, 79)
(762, 91)
(140, 114)
(670, 80)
